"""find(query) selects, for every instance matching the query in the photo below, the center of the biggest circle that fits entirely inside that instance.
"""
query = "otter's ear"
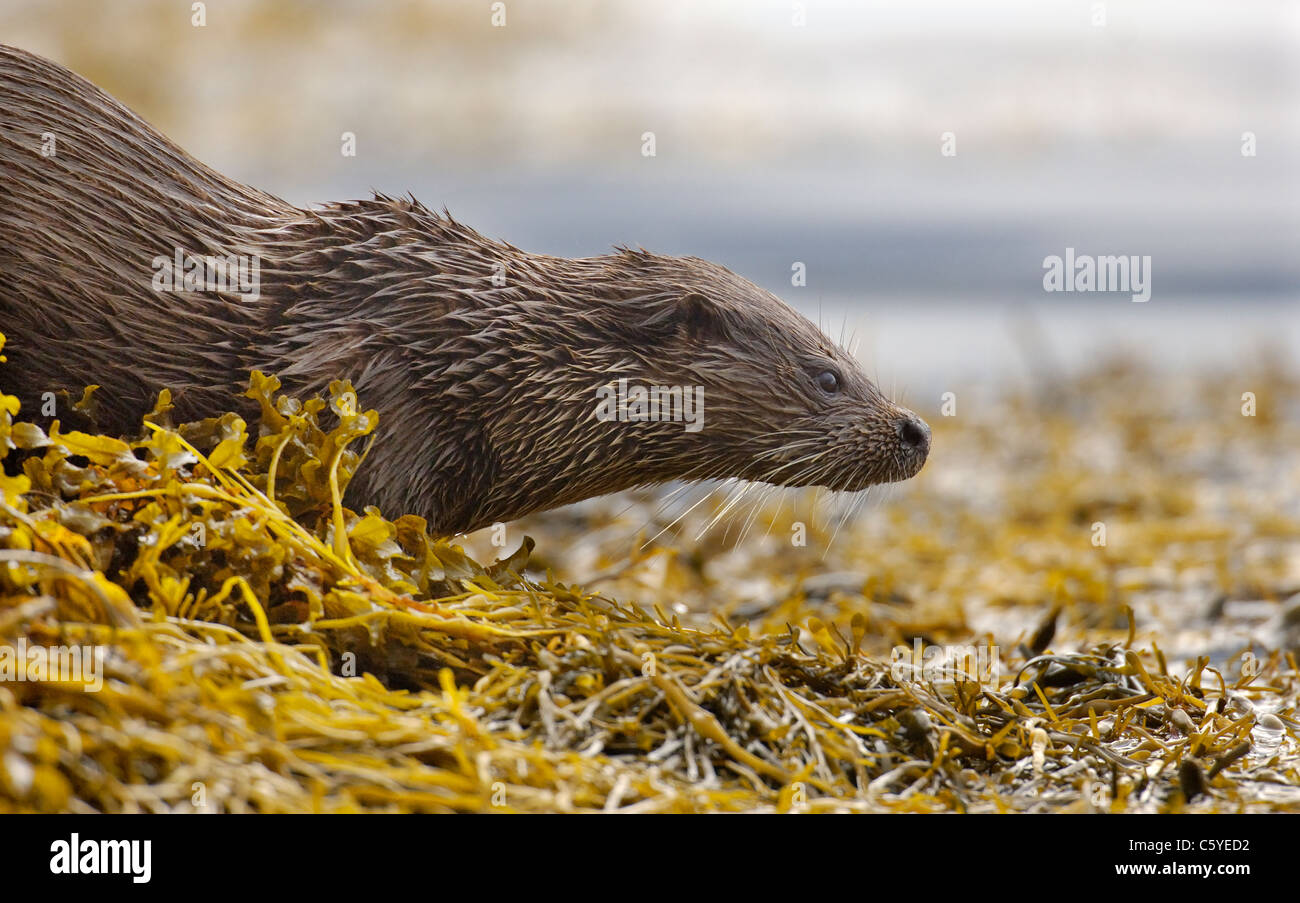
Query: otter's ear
(690, 314)
(700, 317)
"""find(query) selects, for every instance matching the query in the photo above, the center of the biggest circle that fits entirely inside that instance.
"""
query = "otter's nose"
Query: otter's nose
(914, 433)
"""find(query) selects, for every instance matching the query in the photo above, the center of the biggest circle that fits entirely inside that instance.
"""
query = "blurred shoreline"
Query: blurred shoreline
(1172, 130)
(925, 346)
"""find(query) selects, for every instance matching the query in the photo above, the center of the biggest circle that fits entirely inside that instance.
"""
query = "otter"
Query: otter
(484, 362)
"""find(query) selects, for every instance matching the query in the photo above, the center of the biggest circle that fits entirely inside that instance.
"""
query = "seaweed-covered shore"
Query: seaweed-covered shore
(264, 649)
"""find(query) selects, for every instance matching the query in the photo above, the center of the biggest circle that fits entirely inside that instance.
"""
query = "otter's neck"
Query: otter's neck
(483, 361)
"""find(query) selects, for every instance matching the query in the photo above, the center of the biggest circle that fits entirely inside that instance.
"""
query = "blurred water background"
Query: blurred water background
(779, 143)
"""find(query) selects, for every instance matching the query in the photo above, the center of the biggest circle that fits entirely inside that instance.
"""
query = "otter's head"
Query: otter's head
(782, 403)
(508, 396)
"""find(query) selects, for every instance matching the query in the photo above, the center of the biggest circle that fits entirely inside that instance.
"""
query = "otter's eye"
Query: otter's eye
(828, 381)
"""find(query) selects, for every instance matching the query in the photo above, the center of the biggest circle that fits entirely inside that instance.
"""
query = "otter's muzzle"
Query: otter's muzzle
(914, 433)
(913, 440)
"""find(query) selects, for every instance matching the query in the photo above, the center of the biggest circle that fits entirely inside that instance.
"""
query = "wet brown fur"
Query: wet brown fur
(486, 392)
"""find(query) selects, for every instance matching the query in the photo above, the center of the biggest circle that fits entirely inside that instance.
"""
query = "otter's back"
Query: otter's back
(90, 197)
